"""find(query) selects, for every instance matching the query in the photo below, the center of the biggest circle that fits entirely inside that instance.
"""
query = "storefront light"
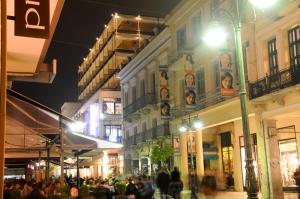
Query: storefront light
(183, 129)
(197, 125)
(77, 126)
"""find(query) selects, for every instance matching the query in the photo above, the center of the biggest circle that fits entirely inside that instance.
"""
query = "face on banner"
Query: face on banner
(164, 94)
(226, 72)
(164, 78)
(176, 144)
(165, 109)
(225, 61)
(190, 97)
(189, 80)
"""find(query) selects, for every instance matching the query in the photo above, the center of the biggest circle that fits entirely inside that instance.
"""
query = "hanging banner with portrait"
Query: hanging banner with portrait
(189, 81)
(226, 73)
(176, 144)
(164, 92)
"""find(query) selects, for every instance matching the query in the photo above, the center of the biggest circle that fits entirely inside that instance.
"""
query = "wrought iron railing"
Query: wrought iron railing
(119, 139)
(150, 134)
(271, 83)
(206, 100)
(149, 98)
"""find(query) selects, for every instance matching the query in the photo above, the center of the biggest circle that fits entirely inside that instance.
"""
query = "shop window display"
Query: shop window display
(288, 161)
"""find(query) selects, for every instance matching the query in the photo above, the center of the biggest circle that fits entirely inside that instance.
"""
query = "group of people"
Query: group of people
(20, 189)
(169, 184)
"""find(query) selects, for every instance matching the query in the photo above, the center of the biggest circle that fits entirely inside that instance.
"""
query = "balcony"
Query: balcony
(119, 139)
(269, 84)
(150, 134)
(140, 103)
(206, 100)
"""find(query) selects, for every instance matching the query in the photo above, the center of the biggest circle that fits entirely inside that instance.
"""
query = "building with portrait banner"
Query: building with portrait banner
(271, 56)
(146, 104)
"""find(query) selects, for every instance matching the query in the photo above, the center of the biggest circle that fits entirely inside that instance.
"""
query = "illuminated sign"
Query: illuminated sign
(32, 18)
(94, 119)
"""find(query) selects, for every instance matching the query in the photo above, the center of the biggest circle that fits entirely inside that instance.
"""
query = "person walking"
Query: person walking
(162, 182)
(209, 185)
(175, 186)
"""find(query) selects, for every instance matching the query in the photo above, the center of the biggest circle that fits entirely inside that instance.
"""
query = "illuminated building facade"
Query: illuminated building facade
(143, 123)
(271, 54)
(99, 87)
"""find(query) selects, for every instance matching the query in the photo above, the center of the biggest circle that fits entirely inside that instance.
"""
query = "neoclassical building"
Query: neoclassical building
(197, 90)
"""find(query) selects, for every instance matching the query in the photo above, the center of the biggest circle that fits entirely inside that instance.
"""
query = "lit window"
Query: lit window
(112, 107)
(113, 133)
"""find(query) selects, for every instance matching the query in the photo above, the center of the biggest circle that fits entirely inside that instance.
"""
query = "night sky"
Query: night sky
(81, 21)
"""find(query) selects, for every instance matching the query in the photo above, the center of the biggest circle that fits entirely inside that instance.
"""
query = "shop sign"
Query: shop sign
(32, 18)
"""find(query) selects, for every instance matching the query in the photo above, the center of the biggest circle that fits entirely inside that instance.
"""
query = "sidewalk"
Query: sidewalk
(227, 195)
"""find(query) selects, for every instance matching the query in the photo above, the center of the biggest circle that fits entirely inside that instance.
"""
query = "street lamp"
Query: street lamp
(190, 127)
(235, 18)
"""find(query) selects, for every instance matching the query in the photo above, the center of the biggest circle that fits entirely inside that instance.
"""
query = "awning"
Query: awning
(39, 124)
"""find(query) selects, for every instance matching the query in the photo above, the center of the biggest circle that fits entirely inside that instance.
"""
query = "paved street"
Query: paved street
(231, 195)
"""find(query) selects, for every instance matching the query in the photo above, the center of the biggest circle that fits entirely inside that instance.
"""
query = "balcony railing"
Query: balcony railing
(149, 98)
(119, 139)
(150, 134)
(283, 79)
(204, 101)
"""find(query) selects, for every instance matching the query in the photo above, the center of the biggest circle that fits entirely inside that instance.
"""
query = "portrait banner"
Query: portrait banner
(164, 92)
(176, 144)
(226, 75)
(189, 82)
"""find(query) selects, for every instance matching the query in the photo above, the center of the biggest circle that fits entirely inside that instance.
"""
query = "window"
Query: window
(142, 93)
(243, 156)
(113, 133)
(273, 61)
(294, 46)
(196, 27)
(217, 74)
(133, 93)
(181, 39)
(182, 97)
(125, 98)
(144, 127)
(201, 82)
(153, 83)
(113, 107)
(227, 152)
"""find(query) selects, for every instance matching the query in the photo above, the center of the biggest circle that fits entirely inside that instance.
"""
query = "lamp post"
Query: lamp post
(237, 25)
(190, 127)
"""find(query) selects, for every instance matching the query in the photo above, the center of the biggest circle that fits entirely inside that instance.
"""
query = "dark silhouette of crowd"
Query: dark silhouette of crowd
(169, 185)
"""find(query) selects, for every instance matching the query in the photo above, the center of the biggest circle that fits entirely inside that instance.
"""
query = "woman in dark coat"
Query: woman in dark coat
(175, 185)
(162, 182)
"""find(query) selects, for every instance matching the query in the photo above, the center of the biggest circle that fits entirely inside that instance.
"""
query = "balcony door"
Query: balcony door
(294, 51)
(273, 60)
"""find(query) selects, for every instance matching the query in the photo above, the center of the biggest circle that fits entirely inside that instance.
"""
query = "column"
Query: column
(263, 158)
(184, 160)
(199, 156)
(269, 159)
